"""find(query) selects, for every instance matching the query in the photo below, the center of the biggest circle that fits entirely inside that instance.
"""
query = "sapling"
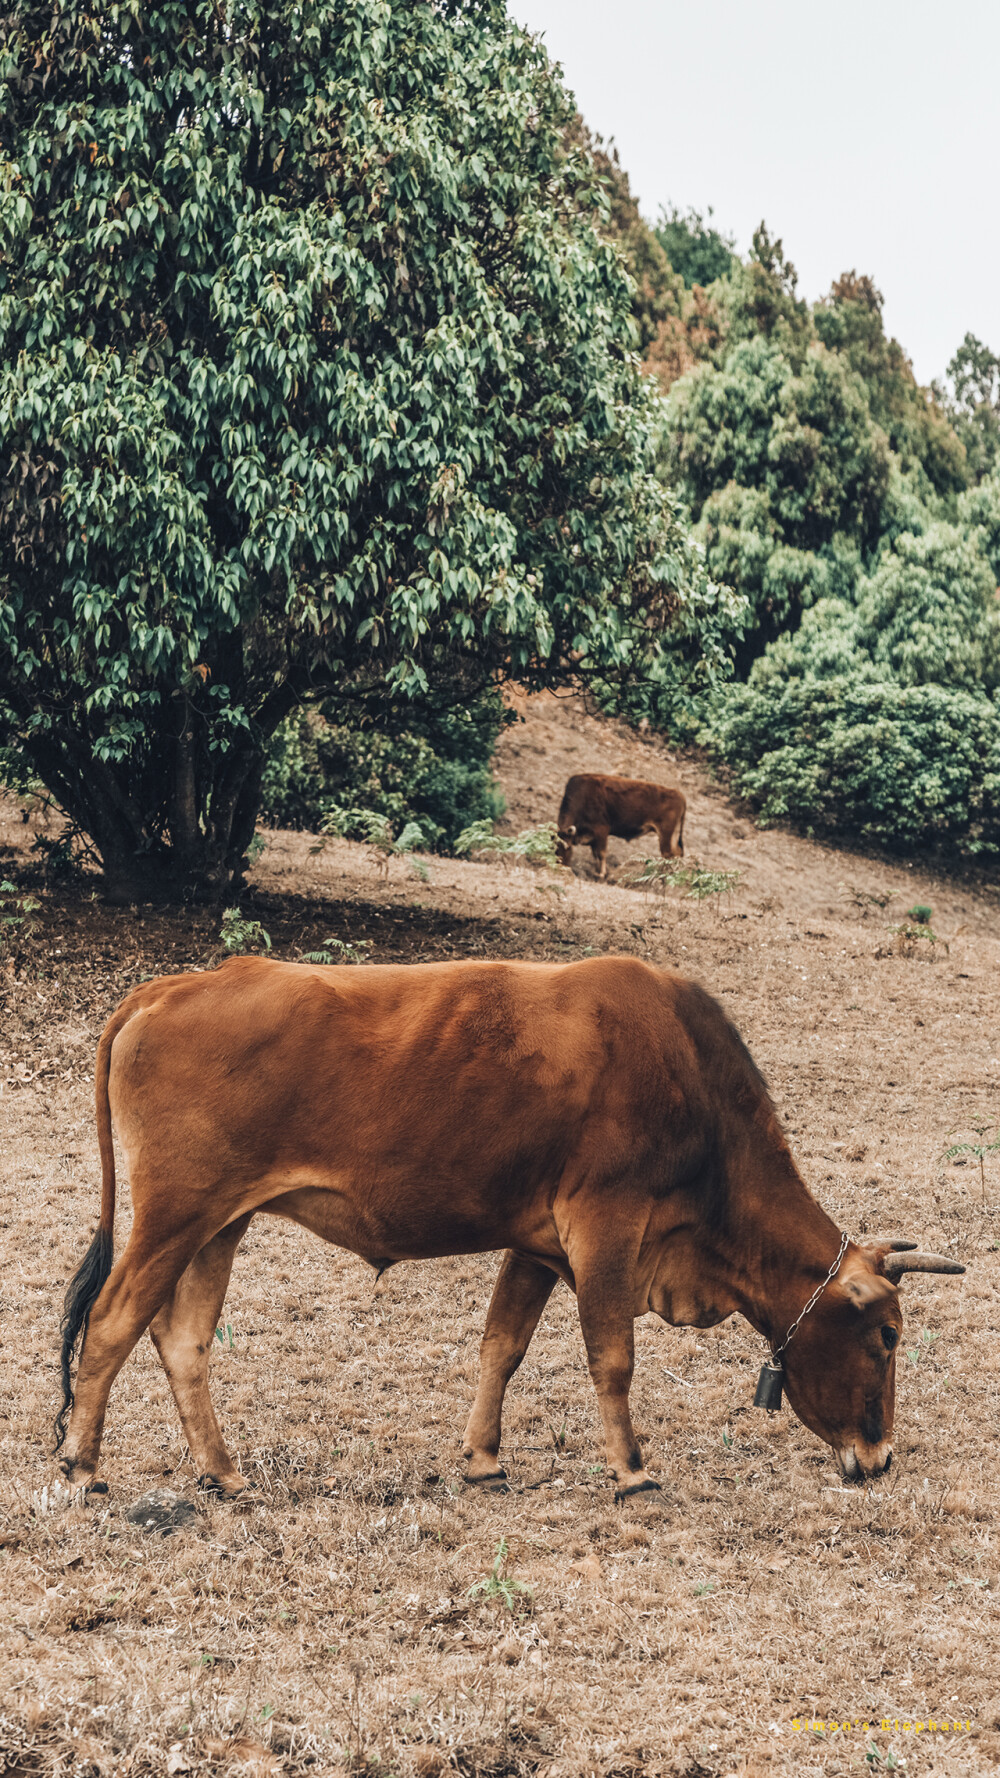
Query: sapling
(865, 901)
(240, 934)
(338, 950)
(377, 832)
(498, 1584)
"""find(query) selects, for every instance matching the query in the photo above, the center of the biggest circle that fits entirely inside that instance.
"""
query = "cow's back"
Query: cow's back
(625, 806)
(444, 1102)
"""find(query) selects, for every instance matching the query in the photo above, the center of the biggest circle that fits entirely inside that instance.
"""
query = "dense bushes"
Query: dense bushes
(424, 764)
(878, 716)
(906, 766)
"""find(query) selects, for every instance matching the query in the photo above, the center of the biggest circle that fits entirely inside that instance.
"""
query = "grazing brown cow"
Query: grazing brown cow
(601, 1120)
(595, 807)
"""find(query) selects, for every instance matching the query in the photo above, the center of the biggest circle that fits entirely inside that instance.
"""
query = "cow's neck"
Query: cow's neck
(774, 1243)
(791, 1245)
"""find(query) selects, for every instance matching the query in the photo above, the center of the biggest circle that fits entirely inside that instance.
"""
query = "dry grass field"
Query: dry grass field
(336, 1620)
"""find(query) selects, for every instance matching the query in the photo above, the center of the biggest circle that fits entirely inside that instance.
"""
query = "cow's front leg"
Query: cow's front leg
(522, 1289)
(599, 851)
(605, 1290)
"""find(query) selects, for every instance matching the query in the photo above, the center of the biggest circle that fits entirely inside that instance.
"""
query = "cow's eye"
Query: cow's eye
(890, 1337)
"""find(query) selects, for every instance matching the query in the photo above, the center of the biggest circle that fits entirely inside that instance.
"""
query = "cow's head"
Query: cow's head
(840, 1368)
(564, 844)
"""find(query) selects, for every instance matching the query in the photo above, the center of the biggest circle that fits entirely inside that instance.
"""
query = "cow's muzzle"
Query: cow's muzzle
(860, 1462)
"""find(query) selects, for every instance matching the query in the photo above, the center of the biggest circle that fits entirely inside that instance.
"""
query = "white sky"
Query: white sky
(865, 132)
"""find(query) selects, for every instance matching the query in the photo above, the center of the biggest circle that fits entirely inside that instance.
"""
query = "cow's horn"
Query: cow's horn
(897, 1246)
(895, 1265)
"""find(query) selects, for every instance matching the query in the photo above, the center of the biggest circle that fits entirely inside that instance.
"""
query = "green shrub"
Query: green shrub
(533, 845)
(928, 613)
(435, 772)
(906, 766)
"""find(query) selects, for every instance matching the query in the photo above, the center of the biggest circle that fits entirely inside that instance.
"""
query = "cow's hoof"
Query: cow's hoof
(77, 1476)
(628, 1490)
(494, 1483)
(96, 1488)
(231, 1487)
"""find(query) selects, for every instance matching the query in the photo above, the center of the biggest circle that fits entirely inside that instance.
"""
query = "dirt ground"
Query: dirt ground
(332, 1622)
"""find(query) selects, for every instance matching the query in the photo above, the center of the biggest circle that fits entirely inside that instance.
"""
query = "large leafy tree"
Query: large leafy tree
(316, 373)
(974, 373)
(785, 472)
(803, 443)
(849, 322)
(698, 252)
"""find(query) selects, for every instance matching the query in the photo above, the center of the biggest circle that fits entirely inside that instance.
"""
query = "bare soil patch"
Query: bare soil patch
(330, 1623)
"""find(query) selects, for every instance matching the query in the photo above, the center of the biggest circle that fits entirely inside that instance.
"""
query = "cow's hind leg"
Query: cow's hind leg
(522, 1289)
(138, 1285)
(605, 1291)
(182, 1333)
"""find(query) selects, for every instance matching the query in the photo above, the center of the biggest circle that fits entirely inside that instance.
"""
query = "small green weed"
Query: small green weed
(911, 937)
(882, 1759)
(979, 1150)
(920, 915)
(927, 1339)
(17, 917)
(498, 1584)
(240, 935)
(227, 1337)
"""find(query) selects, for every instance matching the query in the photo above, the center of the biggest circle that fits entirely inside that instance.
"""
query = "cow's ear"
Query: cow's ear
(862, 1290)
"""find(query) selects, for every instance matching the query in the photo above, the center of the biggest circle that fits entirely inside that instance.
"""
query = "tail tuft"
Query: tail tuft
(81, 1294)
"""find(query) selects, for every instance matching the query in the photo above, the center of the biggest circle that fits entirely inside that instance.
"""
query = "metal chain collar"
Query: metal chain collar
(817, 1293)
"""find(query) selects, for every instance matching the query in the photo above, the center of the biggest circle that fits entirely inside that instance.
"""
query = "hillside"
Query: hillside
(682, 1635)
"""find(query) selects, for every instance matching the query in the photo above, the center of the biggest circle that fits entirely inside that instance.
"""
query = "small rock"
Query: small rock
(162, 1510)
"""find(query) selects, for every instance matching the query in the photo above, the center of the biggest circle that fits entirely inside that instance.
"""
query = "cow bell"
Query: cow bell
(769, 1386)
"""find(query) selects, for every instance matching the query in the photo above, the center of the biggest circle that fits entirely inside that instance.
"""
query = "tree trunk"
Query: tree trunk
(193, 846)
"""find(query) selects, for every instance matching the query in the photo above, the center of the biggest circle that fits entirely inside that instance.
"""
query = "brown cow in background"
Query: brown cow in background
(601, 1120)
(596, 806)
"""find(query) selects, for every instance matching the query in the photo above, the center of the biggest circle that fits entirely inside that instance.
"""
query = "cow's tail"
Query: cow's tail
(680, 831)
(89, 1280)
